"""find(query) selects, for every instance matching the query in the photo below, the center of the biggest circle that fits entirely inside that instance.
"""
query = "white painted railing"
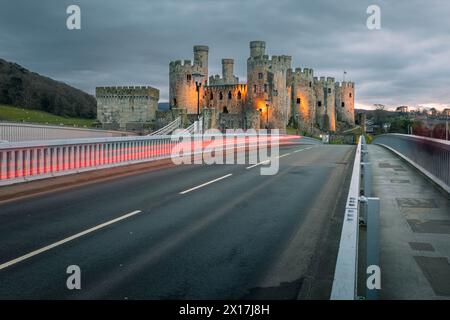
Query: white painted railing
(32, 160)
(359, 211)
(25, 161)
(345, 274)
(13, 132)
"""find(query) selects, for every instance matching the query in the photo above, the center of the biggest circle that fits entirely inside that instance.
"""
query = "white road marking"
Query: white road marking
(61, 242)
(284, 155)
(258, 164)
(299, 150)
(206, 183)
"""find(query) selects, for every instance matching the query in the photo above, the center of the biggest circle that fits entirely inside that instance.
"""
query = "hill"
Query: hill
(15, 114)
(23, 88)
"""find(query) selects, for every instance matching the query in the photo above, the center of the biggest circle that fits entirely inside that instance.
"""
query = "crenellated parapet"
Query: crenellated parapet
(127, 91)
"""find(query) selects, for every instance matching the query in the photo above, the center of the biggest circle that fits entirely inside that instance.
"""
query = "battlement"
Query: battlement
(306, 74)
(131, 91)
(325, 81)
(198, 48)
(183, 66)
(227, 87)
(345, 84)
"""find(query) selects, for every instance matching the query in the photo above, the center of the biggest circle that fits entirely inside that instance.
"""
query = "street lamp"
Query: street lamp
(267, 111)
(198, 78)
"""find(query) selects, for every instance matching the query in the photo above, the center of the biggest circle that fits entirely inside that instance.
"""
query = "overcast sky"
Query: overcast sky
(131, 42)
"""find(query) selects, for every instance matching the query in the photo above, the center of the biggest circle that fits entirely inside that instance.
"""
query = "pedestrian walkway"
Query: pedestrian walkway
(414, 230)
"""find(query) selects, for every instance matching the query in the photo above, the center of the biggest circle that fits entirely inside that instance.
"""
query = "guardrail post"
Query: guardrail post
(367, 179)
(373, 242)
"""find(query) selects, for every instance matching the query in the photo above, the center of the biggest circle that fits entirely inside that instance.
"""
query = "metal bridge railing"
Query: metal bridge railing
(361, 210)
(32, 160)
(13, 132)
(430, 156)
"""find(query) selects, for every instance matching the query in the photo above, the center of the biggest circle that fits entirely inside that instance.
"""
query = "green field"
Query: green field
(16, 114)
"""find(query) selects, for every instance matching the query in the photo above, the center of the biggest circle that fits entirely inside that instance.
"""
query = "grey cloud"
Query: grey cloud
(132, 42)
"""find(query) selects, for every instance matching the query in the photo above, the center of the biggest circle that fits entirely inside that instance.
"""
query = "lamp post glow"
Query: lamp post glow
(198, 78)
(267, 111)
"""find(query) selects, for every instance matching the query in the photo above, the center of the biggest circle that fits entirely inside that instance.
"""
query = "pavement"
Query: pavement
(414, 230)
(183, 232)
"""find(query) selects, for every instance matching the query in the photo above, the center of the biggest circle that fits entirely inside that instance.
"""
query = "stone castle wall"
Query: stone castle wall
(124, 105)
(227, 98)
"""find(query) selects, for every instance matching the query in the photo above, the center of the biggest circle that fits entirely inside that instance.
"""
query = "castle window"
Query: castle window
(225, 109)
(175, 102)
(229, 95)
(343, 104)
(221, 96)
(260, 75)
(189, 77)
(299, 100)
(211, 96)
(239, 96)
(350, 95)
(319, 103)
(265, 87)
(329, 90)
(310, 84)
(254, 88)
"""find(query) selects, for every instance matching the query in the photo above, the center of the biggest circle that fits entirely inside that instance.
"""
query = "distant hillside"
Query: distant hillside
(23, 88)
(14, 114)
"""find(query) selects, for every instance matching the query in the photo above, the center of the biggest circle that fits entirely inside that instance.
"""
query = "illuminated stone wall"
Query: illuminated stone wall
(182, 88)
(268, 91)
(303, 100)
(226, 98)
(345, 102)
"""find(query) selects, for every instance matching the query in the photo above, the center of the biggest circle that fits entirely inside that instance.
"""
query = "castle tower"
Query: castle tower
(345, 102)
(227, 70)
(303, 99)
(257, 49)
(182, 88)
(267, 89)
(325, 107)
(124, 107)
(201, 58)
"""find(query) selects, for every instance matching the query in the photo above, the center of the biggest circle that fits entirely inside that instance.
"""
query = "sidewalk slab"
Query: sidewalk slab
(414, 229)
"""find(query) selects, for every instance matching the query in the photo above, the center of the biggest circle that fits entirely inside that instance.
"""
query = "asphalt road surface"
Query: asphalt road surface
(184, 232)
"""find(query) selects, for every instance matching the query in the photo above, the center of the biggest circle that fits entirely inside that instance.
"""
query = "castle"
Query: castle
(274, 95)
(126, 108)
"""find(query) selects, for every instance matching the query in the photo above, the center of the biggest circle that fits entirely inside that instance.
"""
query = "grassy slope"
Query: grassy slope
(15, 114)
